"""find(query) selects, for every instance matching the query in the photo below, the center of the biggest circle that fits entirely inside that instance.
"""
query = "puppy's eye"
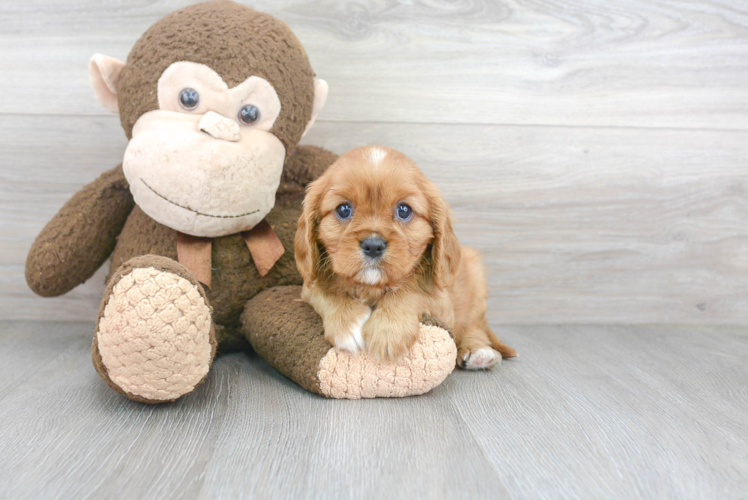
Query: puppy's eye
(189, 99)
(404, 212)
(344, 211)
(249, 114)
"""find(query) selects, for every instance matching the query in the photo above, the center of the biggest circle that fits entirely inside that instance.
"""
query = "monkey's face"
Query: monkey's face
(205, 163)
(212, 96)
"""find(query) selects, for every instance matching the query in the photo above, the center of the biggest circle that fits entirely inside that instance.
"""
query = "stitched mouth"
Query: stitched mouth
(195, 211)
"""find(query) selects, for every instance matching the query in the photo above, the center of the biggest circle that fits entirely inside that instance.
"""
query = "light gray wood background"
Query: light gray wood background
(595, 152)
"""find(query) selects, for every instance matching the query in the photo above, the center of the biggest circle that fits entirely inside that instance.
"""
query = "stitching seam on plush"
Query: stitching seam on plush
(195, 211)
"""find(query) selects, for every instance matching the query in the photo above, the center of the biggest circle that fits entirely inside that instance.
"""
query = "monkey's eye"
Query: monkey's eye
(344, 211)
(189, 99)
(249, 114)
(404, 212)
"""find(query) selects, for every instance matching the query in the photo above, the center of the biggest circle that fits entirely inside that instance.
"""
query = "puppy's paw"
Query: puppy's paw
(482, 358)
(351, 339)
(387, 350)
(389, 340)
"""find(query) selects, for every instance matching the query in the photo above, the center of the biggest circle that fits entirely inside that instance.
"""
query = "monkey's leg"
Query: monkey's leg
(289, 335)
(155, 339)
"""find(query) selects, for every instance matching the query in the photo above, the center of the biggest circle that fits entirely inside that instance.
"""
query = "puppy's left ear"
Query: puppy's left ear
(445, 249)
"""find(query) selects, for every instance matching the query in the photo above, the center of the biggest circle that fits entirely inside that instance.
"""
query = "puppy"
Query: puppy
(376, 249)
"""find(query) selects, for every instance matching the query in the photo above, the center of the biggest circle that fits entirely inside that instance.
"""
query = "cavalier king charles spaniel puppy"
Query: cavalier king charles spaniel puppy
(376, 249)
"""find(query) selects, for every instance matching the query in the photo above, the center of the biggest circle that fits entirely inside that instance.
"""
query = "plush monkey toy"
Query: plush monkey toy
(199, 218)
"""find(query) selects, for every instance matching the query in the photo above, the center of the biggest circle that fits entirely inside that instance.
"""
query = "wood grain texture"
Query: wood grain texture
(585, 412)
(602, 225)
(594, 151)
(599, 225)
(641, 63)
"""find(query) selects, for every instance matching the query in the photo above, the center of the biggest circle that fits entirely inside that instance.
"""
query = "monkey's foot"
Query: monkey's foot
(154, 340)
(289, 335)
(354, 376)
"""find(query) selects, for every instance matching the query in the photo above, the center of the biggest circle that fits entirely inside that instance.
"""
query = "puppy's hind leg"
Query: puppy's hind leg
(504, 350)
(474, 351)
(480, 349)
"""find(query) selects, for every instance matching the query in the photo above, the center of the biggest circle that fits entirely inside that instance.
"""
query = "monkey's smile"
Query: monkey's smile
(195, 211)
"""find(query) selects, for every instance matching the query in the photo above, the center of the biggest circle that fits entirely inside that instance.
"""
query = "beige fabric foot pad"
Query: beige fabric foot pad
(154, 335)
(353, 376)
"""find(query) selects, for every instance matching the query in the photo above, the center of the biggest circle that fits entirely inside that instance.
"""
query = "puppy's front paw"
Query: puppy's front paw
(482, 358)
(389, 340)
(349, 337)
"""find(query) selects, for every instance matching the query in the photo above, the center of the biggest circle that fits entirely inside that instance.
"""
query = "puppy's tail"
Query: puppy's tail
(504, 350)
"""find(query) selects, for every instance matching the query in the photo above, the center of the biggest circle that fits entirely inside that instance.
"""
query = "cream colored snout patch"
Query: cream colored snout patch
(191, 164)
(192, 182)
(196, 168)
(219, 127)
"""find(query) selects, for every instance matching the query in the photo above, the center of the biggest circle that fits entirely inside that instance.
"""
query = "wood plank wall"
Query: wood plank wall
(596, 152)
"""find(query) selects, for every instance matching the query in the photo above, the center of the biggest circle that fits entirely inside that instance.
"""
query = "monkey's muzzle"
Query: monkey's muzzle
(202, 175)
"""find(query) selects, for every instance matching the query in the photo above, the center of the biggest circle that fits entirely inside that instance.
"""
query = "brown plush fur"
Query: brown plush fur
(422, 269)
(235, 41)
(304, 344)
(75, 243)
(235, 277)
(102, 220)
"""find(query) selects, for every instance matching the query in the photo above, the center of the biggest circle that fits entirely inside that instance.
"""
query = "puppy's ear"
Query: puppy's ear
(306, 250)
(445, 249)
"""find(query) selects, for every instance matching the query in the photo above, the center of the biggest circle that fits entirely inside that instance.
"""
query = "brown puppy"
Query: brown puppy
(376, 248)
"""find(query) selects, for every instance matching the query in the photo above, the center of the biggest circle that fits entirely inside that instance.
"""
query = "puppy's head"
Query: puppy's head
(373, 218)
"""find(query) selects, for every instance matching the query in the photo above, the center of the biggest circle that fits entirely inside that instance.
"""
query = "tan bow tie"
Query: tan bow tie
(193, 252)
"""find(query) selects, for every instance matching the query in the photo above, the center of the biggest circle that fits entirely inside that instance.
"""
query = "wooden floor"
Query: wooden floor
(585, 412)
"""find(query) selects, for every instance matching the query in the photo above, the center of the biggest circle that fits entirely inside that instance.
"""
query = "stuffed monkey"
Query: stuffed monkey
(200, 216)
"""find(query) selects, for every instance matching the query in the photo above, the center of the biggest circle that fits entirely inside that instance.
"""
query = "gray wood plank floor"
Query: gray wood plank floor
(585, 412)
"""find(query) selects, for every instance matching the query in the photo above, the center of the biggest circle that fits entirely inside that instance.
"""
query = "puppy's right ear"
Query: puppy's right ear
(306, 250)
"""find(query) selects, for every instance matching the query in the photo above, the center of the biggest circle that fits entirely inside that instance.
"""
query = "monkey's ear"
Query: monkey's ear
(320, 97)
(104, 73)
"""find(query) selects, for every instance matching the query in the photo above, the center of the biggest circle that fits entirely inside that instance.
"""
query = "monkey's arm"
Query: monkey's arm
(307, 163)
(77, 241)
(289, 335)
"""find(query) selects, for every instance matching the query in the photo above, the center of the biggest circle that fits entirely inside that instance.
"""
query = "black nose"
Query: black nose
(373, 247)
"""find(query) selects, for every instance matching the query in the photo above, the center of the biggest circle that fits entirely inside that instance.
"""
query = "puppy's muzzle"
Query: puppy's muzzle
(373, 247)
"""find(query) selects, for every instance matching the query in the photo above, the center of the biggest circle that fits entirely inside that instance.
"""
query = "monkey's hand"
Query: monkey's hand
(289, 335)
(77, 241)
